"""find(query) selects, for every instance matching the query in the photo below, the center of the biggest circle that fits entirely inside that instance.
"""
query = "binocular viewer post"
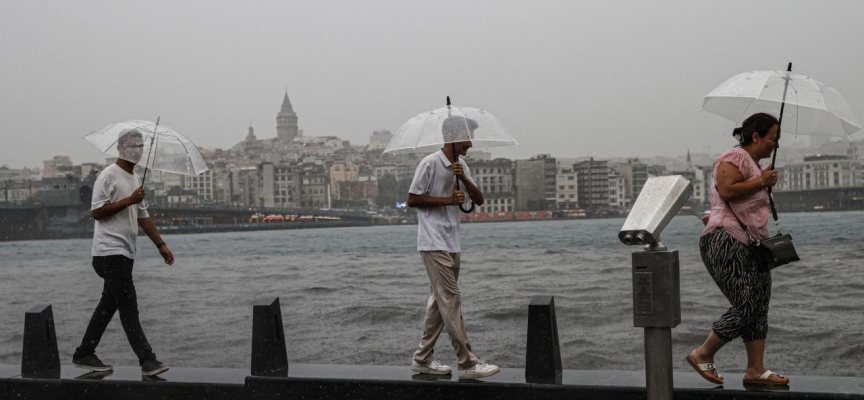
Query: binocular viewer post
(659, 201)
(656, 283)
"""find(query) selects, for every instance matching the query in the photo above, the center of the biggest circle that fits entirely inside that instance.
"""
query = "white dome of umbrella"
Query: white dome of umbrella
(164, 148)
(812, 107)
(423, 132)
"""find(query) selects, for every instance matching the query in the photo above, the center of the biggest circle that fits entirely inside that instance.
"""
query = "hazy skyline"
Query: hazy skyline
(572, 79)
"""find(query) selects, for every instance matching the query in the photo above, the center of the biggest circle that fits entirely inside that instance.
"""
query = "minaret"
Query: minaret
(689, 163)
(286, 122)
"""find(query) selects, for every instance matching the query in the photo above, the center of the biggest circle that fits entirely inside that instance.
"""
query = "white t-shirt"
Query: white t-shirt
(437, 227)
(118, 233)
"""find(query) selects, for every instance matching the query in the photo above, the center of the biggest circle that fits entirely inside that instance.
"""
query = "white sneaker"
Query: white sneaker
(479, 371)
(434, 367)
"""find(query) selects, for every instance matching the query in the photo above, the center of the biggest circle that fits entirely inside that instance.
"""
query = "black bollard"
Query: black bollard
(40, 358)
(543, 355)
(269, 356)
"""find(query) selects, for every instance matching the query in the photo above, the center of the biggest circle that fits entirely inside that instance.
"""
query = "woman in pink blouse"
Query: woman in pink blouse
(740, 183)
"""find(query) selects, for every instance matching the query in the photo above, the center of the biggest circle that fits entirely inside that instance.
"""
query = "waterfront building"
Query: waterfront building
(822, 172)
(617, 190)
(567, 193)
(379, 139)
(314, 187)
(245, 185)
(634, 173)
(536, 182)
(356, 195)
(656, 170)
(286, 186)
(201, 184)
(592, 183)
(704, 178)
(25, 173)
(341, 171)
(63, 200)
(18, 185)
(474, 156)
(494, 178)
(57, 166)
(401, 171)
(177, 195)
(275, 186)
(18, 191)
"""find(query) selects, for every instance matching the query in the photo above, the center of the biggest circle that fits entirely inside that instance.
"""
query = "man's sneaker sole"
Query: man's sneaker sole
(424, 370)
(480, 376)
(92, 368)
(154, 372)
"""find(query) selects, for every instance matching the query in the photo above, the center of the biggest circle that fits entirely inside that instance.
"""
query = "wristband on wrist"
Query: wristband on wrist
(763, 182)
(160, 244)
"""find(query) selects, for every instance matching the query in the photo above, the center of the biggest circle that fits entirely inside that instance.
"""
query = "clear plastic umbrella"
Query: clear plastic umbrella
(164, 149)
(811, 107)
(423, 132)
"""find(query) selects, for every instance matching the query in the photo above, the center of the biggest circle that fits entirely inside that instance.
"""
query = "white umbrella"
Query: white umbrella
(425, 132)
(164, 148)
(811, 107)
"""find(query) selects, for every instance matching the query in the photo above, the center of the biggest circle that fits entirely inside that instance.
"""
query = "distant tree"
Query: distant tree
(535, 205)
(402, 189)
(388, 188)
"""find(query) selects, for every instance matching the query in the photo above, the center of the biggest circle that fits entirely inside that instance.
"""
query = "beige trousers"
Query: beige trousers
(444, 309)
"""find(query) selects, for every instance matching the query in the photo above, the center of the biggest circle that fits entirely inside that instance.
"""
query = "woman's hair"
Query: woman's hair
(760, 123)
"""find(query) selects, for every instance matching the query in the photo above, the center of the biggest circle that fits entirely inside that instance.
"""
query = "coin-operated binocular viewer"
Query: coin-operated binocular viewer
(656, 283)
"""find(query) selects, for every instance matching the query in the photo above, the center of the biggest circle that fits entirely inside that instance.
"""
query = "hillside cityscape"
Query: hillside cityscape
(292, 173)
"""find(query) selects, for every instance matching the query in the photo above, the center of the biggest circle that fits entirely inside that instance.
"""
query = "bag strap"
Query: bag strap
(774, 211)
(770, 201)
(744, 227)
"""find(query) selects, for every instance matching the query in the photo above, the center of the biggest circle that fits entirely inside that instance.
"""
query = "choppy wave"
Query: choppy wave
(357, 295)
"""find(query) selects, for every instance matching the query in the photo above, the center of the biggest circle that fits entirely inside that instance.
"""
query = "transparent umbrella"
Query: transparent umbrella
(164, 148)
(811, 107)
(425, 132)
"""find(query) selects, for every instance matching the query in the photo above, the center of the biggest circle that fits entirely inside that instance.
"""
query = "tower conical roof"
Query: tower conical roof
(286, 105)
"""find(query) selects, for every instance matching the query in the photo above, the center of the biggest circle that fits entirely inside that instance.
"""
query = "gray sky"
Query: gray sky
(569, 78)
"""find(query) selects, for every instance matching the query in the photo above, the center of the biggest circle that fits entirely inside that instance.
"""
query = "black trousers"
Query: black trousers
(118, 294)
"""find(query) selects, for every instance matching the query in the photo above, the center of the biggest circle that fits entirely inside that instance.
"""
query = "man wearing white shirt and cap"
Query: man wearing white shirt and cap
(435, 193)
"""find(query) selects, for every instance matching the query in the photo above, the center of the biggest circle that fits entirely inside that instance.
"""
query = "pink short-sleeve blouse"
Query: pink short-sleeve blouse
(753, 210)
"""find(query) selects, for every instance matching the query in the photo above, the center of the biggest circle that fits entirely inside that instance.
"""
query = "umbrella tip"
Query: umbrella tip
(789, 68)
(448, 100)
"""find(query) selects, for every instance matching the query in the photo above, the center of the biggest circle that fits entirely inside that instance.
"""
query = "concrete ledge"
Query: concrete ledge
(127, 383)
(376, 382)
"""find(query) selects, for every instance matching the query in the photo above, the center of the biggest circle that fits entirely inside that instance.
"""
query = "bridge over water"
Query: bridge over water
(38, 221)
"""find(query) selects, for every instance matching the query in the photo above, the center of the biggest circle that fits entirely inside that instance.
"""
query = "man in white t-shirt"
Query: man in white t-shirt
(119, 210)
(434, 192)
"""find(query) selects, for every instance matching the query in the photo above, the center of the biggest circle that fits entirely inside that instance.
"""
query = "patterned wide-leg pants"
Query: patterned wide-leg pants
(739, 275)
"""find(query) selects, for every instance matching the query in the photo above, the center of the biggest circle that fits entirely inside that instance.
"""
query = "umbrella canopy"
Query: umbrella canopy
(163, 148)
(812, 107)
(424, 132)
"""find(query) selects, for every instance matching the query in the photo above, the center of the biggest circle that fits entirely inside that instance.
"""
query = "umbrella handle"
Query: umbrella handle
(150, 151)
(779, 127)
(456, 157)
